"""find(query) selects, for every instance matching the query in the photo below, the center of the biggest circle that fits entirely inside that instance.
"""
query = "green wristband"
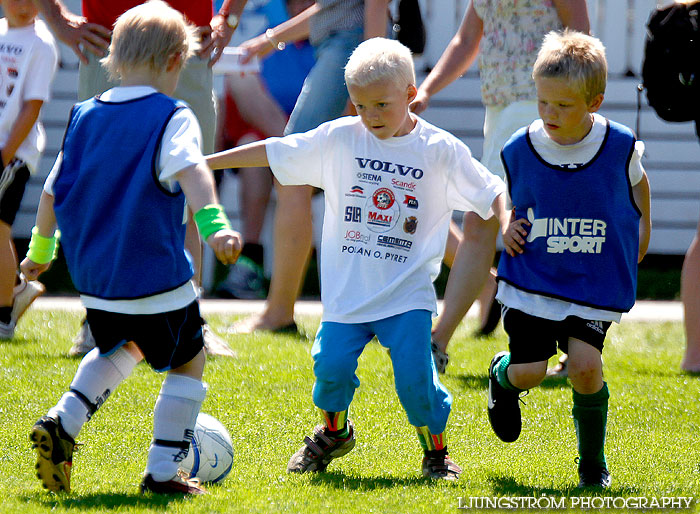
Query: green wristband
(211, 218)
(43, 249)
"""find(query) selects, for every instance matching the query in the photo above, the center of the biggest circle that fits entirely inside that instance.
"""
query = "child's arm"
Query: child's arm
(43, 246)
(252, 155)
(642, 197)
(28, 114)
(197, 182)
(512, 230)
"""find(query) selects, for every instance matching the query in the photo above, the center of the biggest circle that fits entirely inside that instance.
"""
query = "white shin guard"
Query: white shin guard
(96, 378)
(174, 418)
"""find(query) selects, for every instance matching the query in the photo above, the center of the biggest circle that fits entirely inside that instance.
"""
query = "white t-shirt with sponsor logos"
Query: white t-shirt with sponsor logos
(388, 207)
(28, 60)
(572, 157)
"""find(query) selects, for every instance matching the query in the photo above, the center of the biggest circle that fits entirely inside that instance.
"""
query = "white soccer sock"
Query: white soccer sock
(96, 378)
(174, 418)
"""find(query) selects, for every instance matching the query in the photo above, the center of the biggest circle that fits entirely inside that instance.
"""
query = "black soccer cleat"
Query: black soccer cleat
(54, 449)
(594, 476)
(503, 409)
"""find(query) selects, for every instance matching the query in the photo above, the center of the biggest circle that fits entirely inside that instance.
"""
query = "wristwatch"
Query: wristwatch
(232, 20)
(270, 36)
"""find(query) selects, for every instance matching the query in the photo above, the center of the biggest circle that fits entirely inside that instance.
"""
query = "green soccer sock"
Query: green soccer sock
(501, 372)
(590, 413)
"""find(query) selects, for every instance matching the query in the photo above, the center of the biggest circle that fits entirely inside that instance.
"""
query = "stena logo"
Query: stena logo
(390, 167)
(369, 177)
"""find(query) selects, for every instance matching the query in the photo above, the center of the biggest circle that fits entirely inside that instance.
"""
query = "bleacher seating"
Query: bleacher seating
(672, 158)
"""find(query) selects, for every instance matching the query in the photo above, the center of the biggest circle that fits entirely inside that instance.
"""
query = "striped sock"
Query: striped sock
(336, 423)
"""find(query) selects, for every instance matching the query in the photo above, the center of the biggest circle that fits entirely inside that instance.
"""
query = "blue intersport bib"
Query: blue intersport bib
(122, 233)
(583, 244)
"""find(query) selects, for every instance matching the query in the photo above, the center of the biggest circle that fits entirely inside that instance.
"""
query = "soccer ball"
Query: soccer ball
(211, 452)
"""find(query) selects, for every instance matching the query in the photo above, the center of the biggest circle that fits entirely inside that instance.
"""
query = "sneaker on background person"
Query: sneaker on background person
(437, 464)
(24, 294)
(245, 281)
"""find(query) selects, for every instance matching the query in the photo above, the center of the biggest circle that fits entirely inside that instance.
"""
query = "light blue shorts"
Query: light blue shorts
(338, 346)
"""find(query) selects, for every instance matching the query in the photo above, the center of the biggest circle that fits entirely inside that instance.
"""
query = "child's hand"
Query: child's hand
(31, 269)
(514, 236)
(227, 245)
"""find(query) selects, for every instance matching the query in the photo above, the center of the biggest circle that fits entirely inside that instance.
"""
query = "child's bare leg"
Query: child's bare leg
(472, 262)
(585, 367)
(526, 376)
(8, 267)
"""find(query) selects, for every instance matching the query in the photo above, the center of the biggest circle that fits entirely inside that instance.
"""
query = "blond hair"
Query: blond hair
(147, 36)
(575, 57)
(379, 59)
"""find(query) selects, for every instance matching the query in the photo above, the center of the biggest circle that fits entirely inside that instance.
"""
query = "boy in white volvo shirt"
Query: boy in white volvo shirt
(391, 182)
(28, 59)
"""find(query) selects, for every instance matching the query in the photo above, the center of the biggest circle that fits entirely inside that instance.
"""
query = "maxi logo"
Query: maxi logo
(575, 235)
(381, 210)
(390, 167)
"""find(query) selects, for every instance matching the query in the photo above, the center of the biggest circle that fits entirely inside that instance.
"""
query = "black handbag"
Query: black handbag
(408, 26)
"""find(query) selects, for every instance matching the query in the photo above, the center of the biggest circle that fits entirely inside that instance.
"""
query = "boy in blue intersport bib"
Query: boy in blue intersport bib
(129, 169)
(581, 224)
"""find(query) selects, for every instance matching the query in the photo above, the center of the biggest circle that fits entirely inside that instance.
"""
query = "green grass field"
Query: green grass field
(264, 398)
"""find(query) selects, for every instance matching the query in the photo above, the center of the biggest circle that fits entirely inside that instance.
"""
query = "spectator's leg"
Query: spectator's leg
(292, 243)
(690, 296)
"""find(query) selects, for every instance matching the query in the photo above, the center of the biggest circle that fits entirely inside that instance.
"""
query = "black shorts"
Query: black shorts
(533, 339)
(13, 180)
(167, 339)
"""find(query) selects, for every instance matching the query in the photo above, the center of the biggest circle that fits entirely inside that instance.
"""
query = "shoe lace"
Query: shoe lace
(185, 477)
(523, 395)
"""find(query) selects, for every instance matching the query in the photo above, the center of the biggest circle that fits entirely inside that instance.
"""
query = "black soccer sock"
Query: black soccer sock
(590, 412)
